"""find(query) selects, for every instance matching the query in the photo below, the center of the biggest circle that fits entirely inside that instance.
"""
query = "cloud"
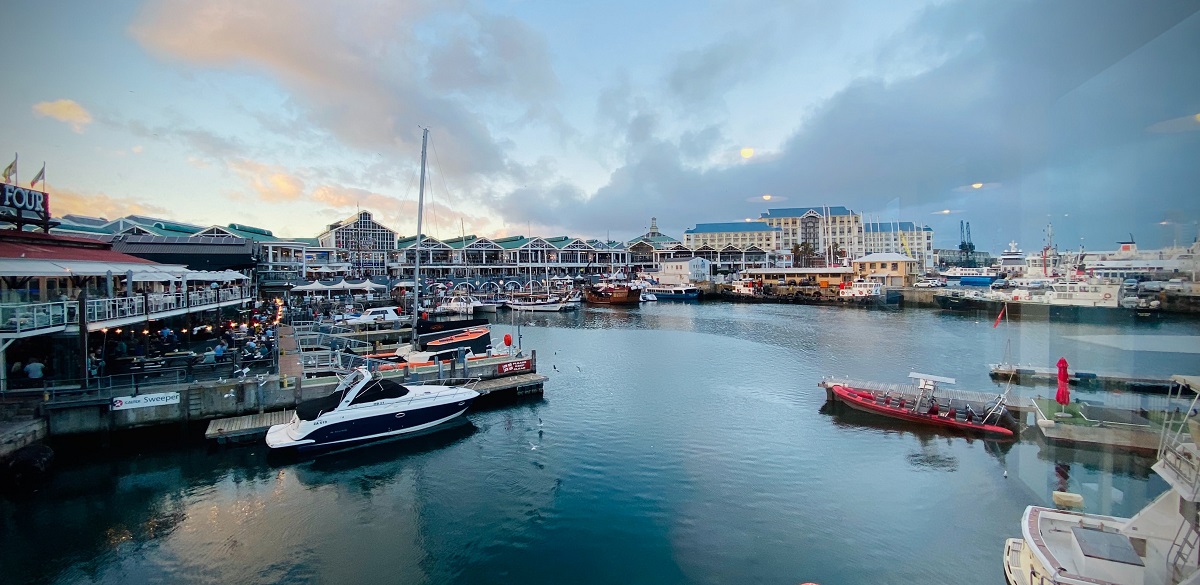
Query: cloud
(68, 111)
(1051, 107)
(400, 214)
(64, 201)
(271, 183)
(372, 74)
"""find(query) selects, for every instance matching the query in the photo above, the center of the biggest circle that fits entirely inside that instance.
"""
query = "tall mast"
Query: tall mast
(417, 264)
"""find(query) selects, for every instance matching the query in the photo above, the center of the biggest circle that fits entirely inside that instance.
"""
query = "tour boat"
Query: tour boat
(971, 276)
(613, 294)
(991, 420)
(365, 407)
(676, 292)
(1156, 546)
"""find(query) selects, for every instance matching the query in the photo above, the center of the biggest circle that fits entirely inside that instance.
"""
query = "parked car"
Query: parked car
(1175, 284)
(926, 284)
(1130, 283)
(1000, 284)
(1151, 286)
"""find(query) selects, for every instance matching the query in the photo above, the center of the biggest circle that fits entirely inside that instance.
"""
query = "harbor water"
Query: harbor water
(675, 443)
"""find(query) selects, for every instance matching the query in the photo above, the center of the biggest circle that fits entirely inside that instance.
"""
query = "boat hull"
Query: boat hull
(1034, 311)
(614, 296)
(360, 430)
(865, 401)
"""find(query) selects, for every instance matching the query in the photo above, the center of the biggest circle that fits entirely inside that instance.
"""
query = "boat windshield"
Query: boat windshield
(379, 390)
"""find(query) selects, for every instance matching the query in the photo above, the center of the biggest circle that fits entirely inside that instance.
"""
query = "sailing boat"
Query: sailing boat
(434, 341)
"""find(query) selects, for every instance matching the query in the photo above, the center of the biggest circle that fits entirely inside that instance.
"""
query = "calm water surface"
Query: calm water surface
(676, 443)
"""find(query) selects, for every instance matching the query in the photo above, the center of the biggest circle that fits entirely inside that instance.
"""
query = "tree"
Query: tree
(795, 255)
(806, 251)
(835, 252)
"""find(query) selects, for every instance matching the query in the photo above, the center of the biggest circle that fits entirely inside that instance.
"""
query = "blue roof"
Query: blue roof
(888, 227)
(731, 226)
(800, 211)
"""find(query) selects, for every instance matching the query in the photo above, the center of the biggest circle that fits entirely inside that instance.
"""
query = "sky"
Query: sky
(587, 119)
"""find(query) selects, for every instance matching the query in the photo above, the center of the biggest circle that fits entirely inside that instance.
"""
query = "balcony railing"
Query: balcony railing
(117, 308)
(26, 317)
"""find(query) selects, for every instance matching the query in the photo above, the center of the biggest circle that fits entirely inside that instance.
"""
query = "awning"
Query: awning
(63, 268)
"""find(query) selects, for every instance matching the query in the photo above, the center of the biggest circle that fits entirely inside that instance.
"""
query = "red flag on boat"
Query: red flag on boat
(1063, 396)
(1000, 316)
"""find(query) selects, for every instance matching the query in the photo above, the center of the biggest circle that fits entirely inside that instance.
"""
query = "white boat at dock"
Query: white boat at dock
(1156, 546)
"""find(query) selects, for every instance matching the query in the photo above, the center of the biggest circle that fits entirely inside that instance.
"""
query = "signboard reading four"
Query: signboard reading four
(144, 400)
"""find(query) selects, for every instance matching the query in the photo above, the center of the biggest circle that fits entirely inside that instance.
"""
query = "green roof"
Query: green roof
(81, 228)
(460, 243)
(251, 229)
(255, 235)
(512, 242)
(314, 242)
(172, 229)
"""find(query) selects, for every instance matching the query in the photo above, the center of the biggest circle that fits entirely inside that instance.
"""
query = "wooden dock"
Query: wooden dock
(518, 385)
(250, 427)
(910, 392)
(1094, 380)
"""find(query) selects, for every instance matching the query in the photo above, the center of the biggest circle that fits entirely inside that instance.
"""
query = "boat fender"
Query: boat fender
(1107, 296)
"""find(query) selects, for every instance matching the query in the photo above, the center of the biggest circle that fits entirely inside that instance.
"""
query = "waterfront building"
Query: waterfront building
(900, 237)
(60, 296)
(829, 233)
(737, 234)
(647, 250)
(366, 243)
(888, 268)
(279, 261)
(685, 271)
(824, 277)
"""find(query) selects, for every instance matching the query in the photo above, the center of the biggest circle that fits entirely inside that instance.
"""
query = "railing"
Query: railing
(22, 317)
(105, 309)
(114, 308)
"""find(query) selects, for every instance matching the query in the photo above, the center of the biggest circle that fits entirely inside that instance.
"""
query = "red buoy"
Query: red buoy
(507, 339)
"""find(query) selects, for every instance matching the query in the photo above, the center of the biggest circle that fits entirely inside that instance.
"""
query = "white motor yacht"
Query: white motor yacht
(364, 407)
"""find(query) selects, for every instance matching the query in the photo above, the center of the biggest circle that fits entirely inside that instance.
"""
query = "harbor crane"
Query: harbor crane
(966, 248)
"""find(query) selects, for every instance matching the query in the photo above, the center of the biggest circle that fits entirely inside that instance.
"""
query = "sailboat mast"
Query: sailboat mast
(417, 264)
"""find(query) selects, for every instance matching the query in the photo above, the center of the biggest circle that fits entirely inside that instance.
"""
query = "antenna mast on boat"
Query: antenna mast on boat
(417, 264)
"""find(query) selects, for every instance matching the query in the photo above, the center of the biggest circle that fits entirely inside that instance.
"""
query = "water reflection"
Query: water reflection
(688, 441)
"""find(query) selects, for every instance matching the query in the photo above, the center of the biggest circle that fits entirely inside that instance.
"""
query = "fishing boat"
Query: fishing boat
(675, 292)
(613, 294)
(991, 419)
(365, 407)
(1156, 546)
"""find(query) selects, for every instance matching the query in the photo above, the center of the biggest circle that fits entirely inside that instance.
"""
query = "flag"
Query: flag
(10, 170)
(41, 175)
(1000, 316)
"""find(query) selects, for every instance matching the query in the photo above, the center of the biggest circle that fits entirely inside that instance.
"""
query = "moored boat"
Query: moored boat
(613, 294)
(991, 419)
(1156, 546)
(365, 407)
(675, 292)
